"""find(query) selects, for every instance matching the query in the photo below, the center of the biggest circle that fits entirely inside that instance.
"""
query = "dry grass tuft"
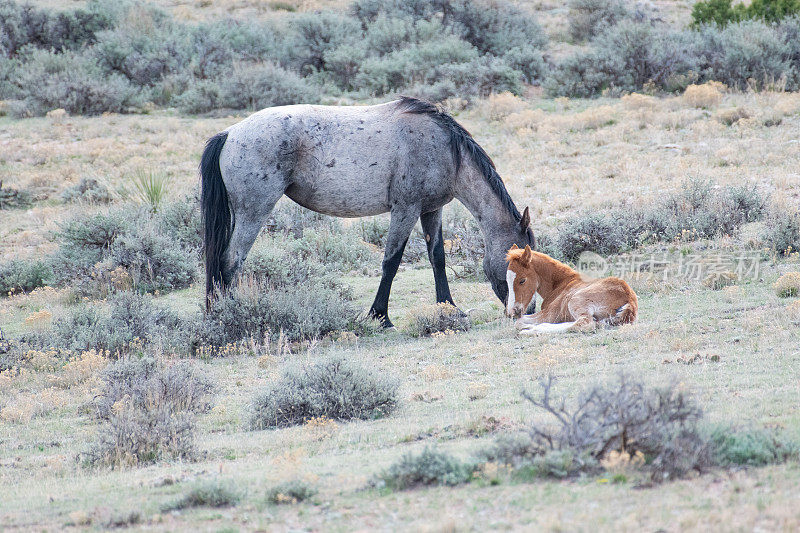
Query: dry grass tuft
(788, 285)
(731, 116)
(706, 95)
(427, 320)
(498, 106)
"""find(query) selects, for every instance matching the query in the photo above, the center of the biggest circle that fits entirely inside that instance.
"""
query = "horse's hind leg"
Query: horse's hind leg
(400, 226)
(251, 207)
(432, 227)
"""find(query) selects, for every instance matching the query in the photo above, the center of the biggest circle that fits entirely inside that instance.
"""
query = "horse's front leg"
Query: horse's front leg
(400, 226)
(432, 227)
(526, 321)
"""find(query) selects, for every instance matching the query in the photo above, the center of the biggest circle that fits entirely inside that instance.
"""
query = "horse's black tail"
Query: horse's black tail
(217, 216)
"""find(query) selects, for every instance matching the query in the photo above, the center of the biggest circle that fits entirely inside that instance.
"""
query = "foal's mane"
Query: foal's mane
(462, 141)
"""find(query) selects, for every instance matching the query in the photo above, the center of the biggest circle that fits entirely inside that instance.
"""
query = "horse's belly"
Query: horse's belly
(342, 196)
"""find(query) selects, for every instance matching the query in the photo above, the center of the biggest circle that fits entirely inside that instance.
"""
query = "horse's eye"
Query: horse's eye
(522, 281)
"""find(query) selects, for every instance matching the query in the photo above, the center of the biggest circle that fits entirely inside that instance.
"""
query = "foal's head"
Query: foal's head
(521, 279)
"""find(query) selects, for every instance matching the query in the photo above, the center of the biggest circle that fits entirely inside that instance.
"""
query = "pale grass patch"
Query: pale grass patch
(436, 372)
(525, 122)
(57, 116)
(477, 391)
(706, 95)
(28, 406)
(320, 428)
(80, 368)
(592, 118)
(732, 115)
(500, 105)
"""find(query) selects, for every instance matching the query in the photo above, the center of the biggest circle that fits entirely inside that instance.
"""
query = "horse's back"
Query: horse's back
(339, 160)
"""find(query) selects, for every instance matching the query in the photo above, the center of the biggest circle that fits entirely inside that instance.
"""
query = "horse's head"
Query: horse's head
(495, 263)
(521, 279)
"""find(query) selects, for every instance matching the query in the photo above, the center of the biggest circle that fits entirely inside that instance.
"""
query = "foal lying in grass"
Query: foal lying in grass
(569, 302)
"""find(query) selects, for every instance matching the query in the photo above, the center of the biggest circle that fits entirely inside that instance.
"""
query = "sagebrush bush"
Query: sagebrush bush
(334, 388)
(255, 309)
(697, 211)
(587, 18)
(130, 320)
(149, 412)
(781, 231)
(431, 467)
(291, 492)
(208, 494)
(73, 82)
(87, 190)
(23, 276)
(180, 386)
(751, 447)
(155, 261)
(343, 250)
(424, 321)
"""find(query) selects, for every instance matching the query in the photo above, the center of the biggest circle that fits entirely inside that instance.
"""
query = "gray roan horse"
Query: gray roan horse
(406, 157)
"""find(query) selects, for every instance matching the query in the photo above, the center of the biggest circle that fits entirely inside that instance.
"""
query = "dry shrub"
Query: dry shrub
(638, 102)
(500, 105)
(426, 320)
(720, 280)
(150, 412)
(25, 407)
(606, 421)
(731, 116)
(527, 119)
(788, 285)
(705, 96)
(80, 368)
(593, 118)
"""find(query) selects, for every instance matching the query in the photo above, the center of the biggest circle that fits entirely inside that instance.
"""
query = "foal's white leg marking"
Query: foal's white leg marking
(512, 299)
(547, 328)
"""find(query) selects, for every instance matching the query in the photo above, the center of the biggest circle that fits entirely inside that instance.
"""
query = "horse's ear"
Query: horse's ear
(525, 221)
(514, 247)
(527, 255)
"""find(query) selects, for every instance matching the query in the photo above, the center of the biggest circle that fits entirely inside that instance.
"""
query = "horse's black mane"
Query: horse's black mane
(461, 140)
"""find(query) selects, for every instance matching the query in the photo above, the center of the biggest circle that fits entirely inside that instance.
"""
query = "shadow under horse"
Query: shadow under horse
(405, 157)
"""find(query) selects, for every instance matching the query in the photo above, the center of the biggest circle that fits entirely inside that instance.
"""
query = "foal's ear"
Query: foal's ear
(525, 221)
(527, 255)
(514, 247)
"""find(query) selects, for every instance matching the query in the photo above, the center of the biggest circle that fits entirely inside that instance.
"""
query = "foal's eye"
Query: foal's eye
(522, 281)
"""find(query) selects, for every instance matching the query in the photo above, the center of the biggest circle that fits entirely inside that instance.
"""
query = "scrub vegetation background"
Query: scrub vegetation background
(665, 127)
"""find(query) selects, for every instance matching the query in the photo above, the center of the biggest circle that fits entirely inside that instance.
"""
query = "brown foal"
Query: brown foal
(569, 302)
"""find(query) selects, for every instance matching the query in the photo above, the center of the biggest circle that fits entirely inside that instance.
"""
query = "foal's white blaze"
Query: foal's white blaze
(512, 299)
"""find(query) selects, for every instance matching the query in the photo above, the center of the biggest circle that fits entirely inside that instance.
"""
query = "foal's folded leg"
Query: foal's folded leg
(547, 328)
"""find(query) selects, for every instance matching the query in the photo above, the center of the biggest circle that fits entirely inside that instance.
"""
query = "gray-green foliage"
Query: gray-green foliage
(333, 387)
(207, 494)
(160, 251)
(131, 319)
(213, 493)
(19, 275)
(87, 190)
(751, 447)
(431, 467)
(697, 211)
(293, 491)
(124, 55)
(633, 54)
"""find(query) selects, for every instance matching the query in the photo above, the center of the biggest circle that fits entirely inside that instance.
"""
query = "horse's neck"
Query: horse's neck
(553, 275)
(472, 190)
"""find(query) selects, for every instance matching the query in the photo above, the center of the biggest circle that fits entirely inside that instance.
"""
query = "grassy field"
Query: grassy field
(459, 391)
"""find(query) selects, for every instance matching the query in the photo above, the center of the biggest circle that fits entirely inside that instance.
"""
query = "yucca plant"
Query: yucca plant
(150, 187)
